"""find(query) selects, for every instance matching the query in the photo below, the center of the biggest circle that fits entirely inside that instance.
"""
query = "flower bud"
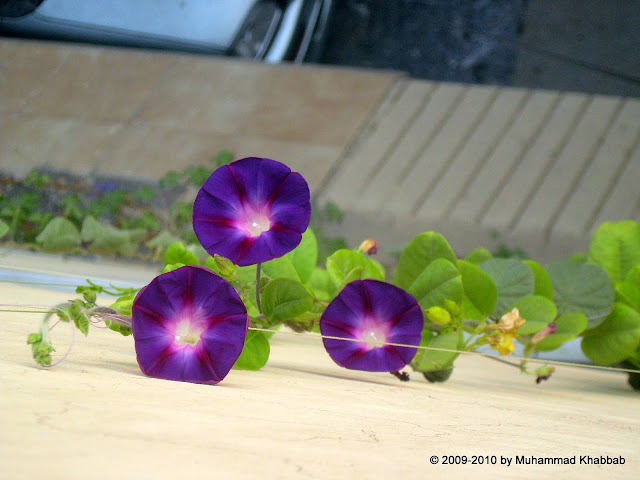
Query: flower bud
(369, 246)
(438, 315)
(226, 268)
(543, 373)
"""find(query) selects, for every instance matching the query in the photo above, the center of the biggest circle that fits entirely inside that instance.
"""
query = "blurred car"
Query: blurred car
(269, 30)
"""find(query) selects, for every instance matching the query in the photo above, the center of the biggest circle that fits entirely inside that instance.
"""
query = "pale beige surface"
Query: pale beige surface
(136, 113)
(96, 416)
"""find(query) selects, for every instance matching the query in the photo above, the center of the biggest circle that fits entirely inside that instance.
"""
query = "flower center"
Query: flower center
(186, 334)
(255, 221)
(374, 338)
(258, 224)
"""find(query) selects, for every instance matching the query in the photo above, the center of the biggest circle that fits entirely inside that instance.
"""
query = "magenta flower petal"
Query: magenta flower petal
(252, 210)
(376, 313)
(188, 325)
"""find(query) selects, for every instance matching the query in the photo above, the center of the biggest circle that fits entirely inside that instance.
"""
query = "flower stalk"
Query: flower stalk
(258, 265)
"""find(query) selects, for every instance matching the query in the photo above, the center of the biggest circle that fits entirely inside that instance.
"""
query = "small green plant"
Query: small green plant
(141, 222)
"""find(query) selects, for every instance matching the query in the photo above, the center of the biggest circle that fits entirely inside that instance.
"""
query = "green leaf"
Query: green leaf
(224, 157)
(579, 287)
(59, 234)
(321, 285)
(479, 256)
(41, 352)
(568, 327)
(124, 304)
(144, 195)
(281, 267)
(82, 322)
(170, 180)
(255, 352)
(196, 176)
(109, 240)
(172, 266)
(541, 280)
(91, 229)
(34, 338)
(178, 253)
(36, 179)
(199, 251)
(284, 299)
(4, 228)
(628, 293)
(634, 275)
(421, 251)
(433, 360)
(246, 275)
(117, 242)
(305, 256)
(343, 262)
(578, 257)
(615, 339)
(513, 280)
(480, 291)
(616, 248)
(537, 311)
(161, 242)
(438, 282)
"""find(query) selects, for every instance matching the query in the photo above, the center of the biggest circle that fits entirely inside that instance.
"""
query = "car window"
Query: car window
(17, 8)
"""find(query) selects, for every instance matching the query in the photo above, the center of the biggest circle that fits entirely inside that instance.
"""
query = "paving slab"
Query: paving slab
(535, 170)
(301, 416)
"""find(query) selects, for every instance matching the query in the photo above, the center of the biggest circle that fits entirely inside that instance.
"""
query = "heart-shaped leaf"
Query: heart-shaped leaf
(480, 291)
(616, 248)
(615, 339)
(255, 352)
(513, 279)
(579, 287)
(438, 282)
(421, 251)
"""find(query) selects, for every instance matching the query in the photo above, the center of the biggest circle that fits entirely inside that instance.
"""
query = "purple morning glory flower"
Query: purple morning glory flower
(376, 313)
(188, 325)
(252, 210)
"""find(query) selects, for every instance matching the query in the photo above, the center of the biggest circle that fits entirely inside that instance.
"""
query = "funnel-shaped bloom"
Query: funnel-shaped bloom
(188, 325)
(376, 313)
(252, 210)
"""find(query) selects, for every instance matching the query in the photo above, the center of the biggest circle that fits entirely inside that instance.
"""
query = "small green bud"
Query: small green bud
(89, 296)
(226, 268)
(452, 307)
(438, 315)
(34, 338)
